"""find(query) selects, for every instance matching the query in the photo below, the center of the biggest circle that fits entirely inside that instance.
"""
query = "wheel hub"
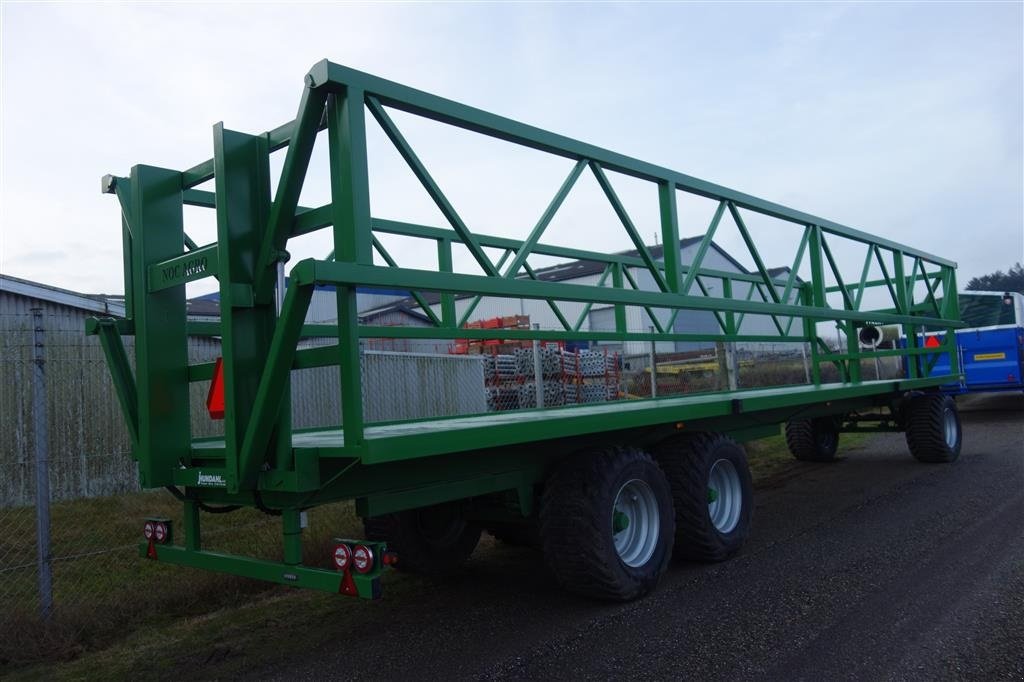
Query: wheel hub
(725, 496)
(636, 524)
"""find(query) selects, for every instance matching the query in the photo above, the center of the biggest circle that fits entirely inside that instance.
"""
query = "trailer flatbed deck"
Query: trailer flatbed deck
(413, 439)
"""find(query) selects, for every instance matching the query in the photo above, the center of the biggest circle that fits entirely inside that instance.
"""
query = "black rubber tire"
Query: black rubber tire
(926, 419)
(525, 534)
(687, 462)
(576, 524)
(434, 541)
(813, 440)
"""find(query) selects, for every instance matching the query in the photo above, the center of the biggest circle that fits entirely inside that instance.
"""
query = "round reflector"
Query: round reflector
(147, 530)
(362, 558)
(342, 555)
(159, 531)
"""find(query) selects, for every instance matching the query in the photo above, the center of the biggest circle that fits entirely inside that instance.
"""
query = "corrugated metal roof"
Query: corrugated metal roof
(96, 303)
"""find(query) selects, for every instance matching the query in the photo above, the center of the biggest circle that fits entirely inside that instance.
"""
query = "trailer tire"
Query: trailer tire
(434, 541)
(812, 440)
(698, 467)
(934, 433)
(606, 523)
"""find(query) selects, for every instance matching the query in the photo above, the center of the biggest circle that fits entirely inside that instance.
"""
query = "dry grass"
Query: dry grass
(103, 590)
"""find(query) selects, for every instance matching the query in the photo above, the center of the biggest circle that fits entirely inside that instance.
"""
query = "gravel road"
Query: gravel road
(875, 567)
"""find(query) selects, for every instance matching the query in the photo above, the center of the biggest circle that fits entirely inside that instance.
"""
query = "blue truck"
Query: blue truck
(990, 348)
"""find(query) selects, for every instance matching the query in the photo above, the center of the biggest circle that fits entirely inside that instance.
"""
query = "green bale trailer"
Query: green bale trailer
(610, 490)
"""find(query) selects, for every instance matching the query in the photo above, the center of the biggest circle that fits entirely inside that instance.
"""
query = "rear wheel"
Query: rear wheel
(933, 428)
(813, 440)
(712, 493)
(433, 540)
(606, 523)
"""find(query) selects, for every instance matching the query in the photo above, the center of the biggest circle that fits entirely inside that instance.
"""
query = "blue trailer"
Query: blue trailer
(990, 349)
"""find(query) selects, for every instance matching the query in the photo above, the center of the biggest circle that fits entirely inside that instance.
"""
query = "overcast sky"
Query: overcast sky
(904, 120)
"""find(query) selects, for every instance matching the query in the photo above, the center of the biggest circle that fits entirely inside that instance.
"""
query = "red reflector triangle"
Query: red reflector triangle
(215, 398)
(932, 342)
(348, 585)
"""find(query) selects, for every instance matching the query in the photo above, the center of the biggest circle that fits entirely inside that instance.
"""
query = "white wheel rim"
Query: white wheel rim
(725, 496)
(636, 524)
(951, 429)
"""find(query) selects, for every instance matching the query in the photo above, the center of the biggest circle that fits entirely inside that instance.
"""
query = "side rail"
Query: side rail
(262, 321)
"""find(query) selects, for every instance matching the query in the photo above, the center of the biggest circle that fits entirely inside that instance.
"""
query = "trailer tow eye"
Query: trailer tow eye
(620, 522)
(712, 495)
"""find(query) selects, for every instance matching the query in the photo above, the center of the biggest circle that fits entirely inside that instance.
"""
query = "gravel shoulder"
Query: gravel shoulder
(873, 567)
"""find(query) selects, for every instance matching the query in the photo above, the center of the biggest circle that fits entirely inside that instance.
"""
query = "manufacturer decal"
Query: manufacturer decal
(211, 480)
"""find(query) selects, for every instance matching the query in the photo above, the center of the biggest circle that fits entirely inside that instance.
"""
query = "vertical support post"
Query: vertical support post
(620, 310)
(538, 369)
(730, 316)
(803, 357)
(811, 332)
(652, 360)
(161, 351)
(853, 350)
(951, 311)
(242, 185)
(670, 234)
(42, 464)
(903, 305)
(291, 526)
(284, 456)
(193, 538)
(353, 241)
(445, 264)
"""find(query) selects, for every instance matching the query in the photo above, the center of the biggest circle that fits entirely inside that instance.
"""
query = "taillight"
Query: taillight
(362, 558)
(160, 531)
(148, 530)
(342, 557)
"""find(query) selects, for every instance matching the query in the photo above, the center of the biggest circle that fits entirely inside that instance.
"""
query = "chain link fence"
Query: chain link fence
(71, 508)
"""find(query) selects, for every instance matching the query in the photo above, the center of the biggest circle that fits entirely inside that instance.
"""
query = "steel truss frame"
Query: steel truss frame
(261, 461)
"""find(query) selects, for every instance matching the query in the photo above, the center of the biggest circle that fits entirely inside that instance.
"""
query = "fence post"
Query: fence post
(538, 373)
(42, 463)
(654, 368)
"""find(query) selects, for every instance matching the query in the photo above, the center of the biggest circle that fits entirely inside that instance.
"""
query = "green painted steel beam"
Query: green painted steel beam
(428, 182)
(318, 218)
(188, 267)
(327, 272)
(293, 173)
(430, 106)
(270, 393)
(353, 240)
(323, 580)
(545, 219)
(161, 355)
(121, 376)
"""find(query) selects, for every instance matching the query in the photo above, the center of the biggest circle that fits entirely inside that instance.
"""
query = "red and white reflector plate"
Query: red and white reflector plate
(342, 557)
(362, 558)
